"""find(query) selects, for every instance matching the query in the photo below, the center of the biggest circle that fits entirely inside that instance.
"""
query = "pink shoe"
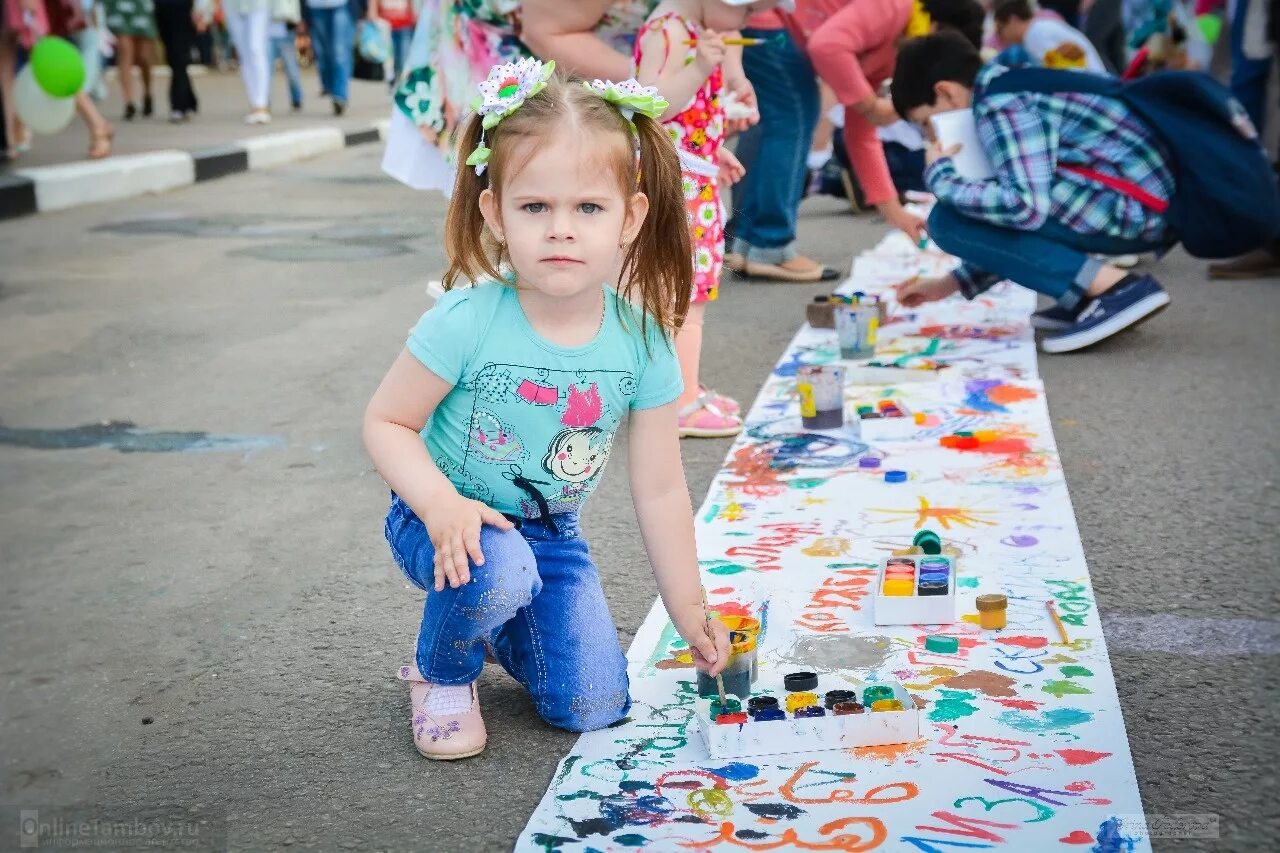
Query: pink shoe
(728, 405)
(444, 727)
(704, 419)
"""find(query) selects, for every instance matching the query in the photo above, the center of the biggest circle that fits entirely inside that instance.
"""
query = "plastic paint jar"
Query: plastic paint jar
(992, 611)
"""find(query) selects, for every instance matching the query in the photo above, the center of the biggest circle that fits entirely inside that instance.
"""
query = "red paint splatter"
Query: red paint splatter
(1078, 836)
(1079, 786)
(1005, 394)
(1098, 801)
(688, 786)
(1076, 757)
(1024, 642)
(1021, 705)
(724, 590)
(1003, 446)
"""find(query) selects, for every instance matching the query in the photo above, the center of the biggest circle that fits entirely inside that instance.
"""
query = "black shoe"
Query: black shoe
(1056, 318)
(147, 106)
(129, 112)
(297, 106)
(339, 107)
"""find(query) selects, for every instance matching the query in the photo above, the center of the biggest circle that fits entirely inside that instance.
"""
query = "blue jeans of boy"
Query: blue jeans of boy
(537, 601)
(400, 41)
(1053, 260)
(334, 40)
(775, 151)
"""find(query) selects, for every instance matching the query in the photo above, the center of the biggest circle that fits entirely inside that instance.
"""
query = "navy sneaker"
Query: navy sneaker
(1056, 318)
(1128, 303)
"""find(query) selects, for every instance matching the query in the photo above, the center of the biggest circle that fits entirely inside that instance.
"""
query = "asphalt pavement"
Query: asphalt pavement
(201, 619)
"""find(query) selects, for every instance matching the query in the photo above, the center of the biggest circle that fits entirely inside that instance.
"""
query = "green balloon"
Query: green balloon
(57, 66)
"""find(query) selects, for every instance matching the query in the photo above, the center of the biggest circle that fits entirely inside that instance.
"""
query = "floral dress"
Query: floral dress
(698, 133)
(455, 43)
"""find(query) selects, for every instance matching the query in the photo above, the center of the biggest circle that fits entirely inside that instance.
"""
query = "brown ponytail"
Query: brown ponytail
(472, 250)
(657, 272)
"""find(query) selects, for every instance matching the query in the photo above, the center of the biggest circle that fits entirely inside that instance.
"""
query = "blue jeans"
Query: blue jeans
(283, 48)
(537, 601)
(1053, 260)
(334, 39)
(400, 40)
(775, 151)
(1248, 76)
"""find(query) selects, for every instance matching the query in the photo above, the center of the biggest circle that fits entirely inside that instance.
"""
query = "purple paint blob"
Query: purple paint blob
(1020, 541)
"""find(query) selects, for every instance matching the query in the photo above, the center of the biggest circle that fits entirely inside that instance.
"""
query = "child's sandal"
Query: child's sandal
(443, 736)
(703, 419)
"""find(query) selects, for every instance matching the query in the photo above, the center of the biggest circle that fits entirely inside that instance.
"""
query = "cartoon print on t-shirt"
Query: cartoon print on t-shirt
(578, 453)
(492, 440)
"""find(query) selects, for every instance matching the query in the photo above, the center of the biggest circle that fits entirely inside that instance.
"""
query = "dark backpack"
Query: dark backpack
(1226, 200)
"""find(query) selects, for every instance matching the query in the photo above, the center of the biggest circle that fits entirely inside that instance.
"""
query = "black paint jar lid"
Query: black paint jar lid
(798, 681)
(755, 703)
(834, 697)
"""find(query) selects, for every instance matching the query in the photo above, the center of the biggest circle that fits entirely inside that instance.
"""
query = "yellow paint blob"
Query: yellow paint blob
(796, 701)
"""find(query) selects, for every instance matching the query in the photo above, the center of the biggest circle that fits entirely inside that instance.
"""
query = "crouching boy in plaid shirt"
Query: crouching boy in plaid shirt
(1039, 221)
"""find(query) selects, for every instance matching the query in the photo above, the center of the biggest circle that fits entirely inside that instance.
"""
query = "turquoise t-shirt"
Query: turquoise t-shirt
(526, 415)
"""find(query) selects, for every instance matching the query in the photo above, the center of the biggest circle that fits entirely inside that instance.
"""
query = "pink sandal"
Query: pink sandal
(728, 405)
(704, 419)
(454, 730)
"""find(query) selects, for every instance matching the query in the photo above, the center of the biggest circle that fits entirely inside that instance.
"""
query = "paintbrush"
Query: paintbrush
(1057, 620)
(706, 611)
(740, 42)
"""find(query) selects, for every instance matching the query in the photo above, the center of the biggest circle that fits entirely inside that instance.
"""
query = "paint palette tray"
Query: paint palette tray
(750, 736)
(916, 589)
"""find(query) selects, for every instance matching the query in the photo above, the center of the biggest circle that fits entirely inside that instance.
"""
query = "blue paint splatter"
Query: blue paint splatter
(978, 398)
(125, 437)
(631, 839)
(1111, 840)
(735, 772)
(1049, 721)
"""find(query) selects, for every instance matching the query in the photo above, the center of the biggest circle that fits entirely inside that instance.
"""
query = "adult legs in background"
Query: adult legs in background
(333, 35)
(775, 154)
(173, 20)
(1249, 76)
(1104, 27)
(400, 40)
(249, 34)
(125, 60)
(100, 131)
(8, 72)
(283, 48)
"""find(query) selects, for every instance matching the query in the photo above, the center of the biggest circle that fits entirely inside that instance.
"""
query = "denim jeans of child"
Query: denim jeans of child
(1053, 260)
(537, 601)
(775, 151)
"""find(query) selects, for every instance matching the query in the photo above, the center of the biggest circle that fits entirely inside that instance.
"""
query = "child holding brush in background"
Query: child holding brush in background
(680, 51)
(494, 423)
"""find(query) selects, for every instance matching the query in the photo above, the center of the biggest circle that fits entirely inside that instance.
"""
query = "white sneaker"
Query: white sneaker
(258, 117)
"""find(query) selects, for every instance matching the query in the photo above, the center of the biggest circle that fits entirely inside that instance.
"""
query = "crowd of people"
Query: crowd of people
(591, 222)
(254, 34)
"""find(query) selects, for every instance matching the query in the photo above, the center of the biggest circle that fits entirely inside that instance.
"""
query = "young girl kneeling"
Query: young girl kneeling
(493, 425)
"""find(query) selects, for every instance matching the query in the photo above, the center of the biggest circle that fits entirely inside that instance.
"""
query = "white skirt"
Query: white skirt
(412, 161)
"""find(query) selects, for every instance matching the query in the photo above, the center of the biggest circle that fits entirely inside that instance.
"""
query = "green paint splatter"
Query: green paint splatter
(737, 533)
(852, 565)
(952, 706)
(631, 839)
(1062, 688)
(1074, 671)
(711, 514)
(807, 483)
(1049, 721)
(723, 567)
(967, 583)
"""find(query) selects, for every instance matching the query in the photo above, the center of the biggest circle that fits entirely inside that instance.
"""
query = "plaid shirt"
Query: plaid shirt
(1026, 136)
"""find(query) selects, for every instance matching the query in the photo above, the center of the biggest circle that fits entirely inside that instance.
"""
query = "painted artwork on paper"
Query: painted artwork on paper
(1023, 745)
